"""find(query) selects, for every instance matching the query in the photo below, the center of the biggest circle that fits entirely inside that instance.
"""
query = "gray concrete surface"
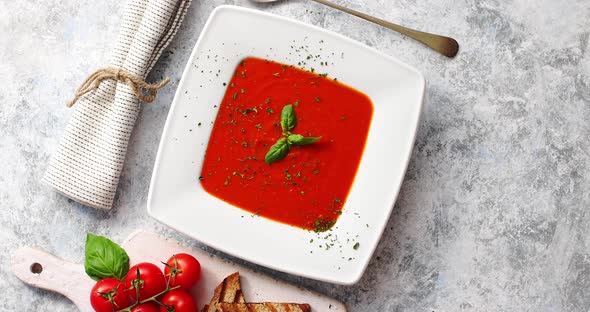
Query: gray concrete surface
(492, 216)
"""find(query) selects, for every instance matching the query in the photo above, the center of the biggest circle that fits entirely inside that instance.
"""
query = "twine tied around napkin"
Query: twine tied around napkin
(137, 85)
(89, 159)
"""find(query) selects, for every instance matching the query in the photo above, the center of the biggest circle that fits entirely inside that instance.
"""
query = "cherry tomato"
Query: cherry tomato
(179, 300)
(183, 270)
(150, 282)
(146, 307)
(109, 295)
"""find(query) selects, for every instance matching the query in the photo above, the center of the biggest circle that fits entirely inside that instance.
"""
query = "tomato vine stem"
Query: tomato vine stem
(150, 299)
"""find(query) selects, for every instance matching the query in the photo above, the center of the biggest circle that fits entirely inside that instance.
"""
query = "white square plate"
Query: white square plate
(177, 199)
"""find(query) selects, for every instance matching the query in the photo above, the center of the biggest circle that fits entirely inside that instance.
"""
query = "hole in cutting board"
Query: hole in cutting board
(36, 268)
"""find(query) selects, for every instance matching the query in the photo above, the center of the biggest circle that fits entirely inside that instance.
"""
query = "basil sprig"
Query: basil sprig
(282, 147)
(104, 258)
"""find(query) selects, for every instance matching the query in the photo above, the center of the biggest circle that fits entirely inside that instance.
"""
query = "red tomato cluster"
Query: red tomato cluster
(146, 288)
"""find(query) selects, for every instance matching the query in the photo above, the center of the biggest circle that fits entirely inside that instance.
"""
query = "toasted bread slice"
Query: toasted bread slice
(263, 307)
(229, 291)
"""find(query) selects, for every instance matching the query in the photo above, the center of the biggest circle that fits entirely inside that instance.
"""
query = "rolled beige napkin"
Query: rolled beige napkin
(88, 162)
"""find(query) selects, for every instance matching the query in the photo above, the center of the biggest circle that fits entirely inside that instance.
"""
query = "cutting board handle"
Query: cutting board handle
(41, 269)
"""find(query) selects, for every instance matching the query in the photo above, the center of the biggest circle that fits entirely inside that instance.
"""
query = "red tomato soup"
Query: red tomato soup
(307, 188)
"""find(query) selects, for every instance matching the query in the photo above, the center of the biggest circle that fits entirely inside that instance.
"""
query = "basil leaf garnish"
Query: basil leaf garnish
(298, 139)
(288, 118)
(104, 258)
(278, 151)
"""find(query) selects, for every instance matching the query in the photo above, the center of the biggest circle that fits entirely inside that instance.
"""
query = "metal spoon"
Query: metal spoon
(444, 45)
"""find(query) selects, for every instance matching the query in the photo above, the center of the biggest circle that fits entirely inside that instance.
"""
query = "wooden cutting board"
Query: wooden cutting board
(70, 280)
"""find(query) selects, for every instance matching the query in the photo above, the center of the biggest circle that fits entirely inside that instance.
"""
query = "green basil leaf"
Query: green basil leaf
(298, 139)
(278, 151)
(104, 258)
(288, 118)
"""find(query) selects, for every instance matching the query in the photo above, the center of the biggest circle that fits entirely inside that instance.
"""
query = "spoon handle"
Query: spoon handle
(444, 45)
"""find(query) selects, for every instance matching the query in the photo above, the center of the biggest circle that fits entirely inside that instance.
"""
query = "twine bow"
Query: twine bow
(144, 91)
